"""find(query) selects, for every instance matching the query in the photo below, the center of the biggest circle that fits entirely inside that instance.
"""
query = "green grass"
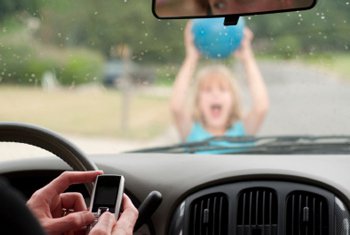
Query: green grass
(339, 63)
(95, 112)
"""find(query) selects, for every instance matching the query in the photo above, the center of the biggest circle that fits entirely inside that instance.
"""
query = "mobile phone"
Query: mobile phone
(107, 195)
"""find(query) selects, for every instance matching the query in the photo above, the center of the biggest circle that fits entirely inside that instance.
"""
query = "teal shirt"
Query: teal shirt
(198, 133)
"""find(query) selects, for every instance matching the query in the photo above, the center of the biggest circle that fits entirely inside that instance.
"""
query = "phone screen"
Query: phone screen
(106, 193)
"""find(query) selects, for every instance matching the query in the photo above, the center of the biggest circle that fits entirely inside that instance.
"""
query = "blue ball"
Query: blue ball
(214, 40)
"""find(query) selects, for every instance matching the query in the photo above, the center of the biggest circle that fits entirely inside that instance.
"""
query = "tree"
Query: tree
(102, 25)
(8, 7)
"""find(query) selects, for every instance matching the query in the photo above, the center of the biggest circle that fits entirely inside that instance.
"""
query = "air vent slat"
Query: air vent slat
(244, 211)
(220, 213)
(270, 213)
(263, 213)
(194, 219)
(257, 212)
(308, 213)
(299, 215)
(256, 208)
(209, 215)
(250, 212)
(321, 224)
(214, 218)
(293, 214)
(201, 218)
(313, 216)
(206, 216)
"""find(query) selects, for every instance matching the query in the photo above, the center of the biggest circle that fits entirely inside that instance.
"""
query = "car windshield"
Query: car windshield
(111, 78)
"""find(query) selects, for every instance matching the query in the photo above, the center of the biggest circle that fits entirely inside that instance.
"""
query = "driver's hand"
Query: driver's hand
(60, 212)
(107, 225)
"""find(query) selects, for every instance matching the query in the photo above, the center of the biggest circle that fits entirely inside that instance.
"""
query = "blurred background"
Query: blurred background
(62, 65)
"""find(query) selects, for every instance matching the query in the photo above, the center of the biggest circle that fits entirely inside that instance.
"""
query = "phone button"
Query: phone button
(101, 210)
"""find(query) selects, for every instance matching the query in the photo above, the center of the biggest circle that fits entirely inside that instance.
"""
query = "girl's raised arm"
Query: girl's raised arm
(260, 101)
(181, 114)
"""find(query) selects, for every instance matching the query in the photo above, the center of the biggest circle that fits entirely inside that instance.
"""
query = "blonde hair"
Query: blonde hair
(226, 77)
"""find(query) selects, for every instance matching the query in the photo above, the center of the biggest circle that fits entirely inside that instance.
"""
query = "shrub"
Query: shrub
(25, 61)
(287, 47)
(80, 66)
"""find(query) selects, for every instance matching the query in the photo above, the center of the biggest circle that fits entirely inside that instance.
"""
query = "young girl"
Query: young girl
(217, 109)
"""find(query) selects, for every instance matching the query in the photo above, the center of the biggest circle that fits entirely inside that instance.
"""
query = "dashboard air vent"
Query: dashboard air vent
(257, 212)
(307, 213)
(209, 215)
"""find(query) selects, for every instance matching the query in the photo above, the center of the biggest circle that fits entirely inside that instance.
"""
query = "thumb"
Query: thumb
(71, 222)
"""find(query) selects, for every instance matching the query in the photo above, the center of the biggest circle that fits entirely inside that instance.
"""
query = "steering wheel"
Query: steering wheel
(50, 141)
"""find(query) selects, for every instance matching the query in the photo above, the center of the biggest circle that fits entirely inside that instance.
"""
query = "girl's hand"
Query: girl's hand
(245, 50)
(191, 50)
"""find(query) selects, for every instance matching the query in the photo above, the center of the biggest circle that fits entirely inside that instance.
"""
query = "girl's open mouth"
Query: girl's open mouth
(215, 110)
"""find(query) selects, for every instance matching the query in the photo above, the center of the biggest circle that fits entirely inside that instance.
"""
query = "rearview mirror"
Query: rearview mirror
(169, 9)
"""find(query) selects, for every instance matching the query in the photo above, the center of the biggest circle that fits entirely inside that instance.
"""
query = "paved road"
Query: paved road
(305, 101)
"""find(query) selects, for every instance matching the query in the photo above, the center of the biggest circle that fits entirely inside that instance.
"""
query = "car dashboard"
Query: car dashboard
(223, 194)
